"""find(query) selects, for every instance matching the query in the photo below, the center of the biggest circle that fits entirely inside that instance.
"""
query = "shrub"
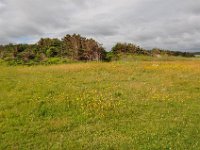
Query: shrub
(52, 52)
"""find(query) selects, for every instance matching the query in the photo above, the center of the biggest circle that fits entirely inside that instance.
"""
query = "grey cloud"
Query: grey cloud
(172, 24)
(99, 30)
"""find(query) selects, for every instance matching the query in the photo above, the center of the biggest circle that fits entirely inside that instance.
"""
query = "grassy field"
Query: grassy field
(117, 105)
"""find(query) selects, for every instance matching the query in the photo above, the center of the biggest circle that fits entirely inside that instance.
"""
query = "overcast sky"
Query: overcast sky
(169, 24)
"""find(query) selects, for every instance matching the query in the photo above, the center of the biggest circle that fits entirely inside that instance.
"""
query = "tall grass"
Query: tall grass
(118, 105)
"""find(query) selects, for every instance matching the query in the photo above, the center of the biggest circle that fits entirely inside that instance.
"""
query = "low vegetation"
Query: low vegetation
(142, 103)
(127, 98)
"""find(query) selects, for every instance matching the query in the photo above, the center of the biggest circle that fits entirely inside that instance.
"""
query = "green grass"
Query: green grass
(118, 105)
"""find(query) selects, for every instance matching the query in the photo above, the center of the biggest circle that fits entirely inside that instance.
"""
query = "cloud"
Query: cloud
(172, 24)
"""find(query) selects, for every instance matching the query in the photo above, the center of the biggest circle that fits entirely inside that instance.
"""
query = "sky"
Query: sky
(167, 24)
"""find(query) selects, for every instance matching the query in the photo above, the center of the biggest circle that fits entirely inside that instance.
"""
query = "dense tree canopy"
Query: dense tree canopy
(76, 48)
(80, 48)
(128, 48)
(73, 47)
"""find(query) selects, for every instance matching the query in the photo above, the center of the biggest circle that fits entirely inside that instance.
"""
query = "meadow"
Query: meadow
(140, 104)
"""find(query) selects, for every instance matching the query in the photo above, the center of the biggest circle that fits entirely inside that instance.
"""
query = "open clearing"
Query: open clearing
(117, 105)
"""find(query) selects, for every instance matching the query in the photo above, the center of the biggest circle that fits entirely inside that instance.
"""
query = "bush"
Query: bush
(56, 60)
(14, 62)
(109, 56)
(52, 52)
(50, 61)
(1, 61)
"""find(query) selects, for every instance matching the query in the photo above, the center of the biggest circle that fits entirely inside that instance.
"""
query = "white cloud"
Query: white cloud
(172, 24)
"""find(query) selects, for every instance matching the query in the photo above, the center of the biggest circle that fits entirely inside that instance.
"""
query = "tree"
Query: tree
(80, 48)
(128, 48)
(50, 47)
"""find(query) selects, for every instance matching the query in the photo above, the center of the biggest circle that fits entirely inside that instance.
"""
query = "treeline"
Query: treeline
(128, 48)
(73, 48)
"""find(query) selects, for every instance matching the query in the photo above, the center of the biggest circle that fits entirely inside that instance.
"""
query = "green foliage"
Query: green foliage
(162, 52)
(53, 61)
(128, 48)
(52, 52)
(76, 48)
(15, 62)
(116, 105)
(50, 47)
(73, 47)
(2, 61)
(109, 56)
(57, 60)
